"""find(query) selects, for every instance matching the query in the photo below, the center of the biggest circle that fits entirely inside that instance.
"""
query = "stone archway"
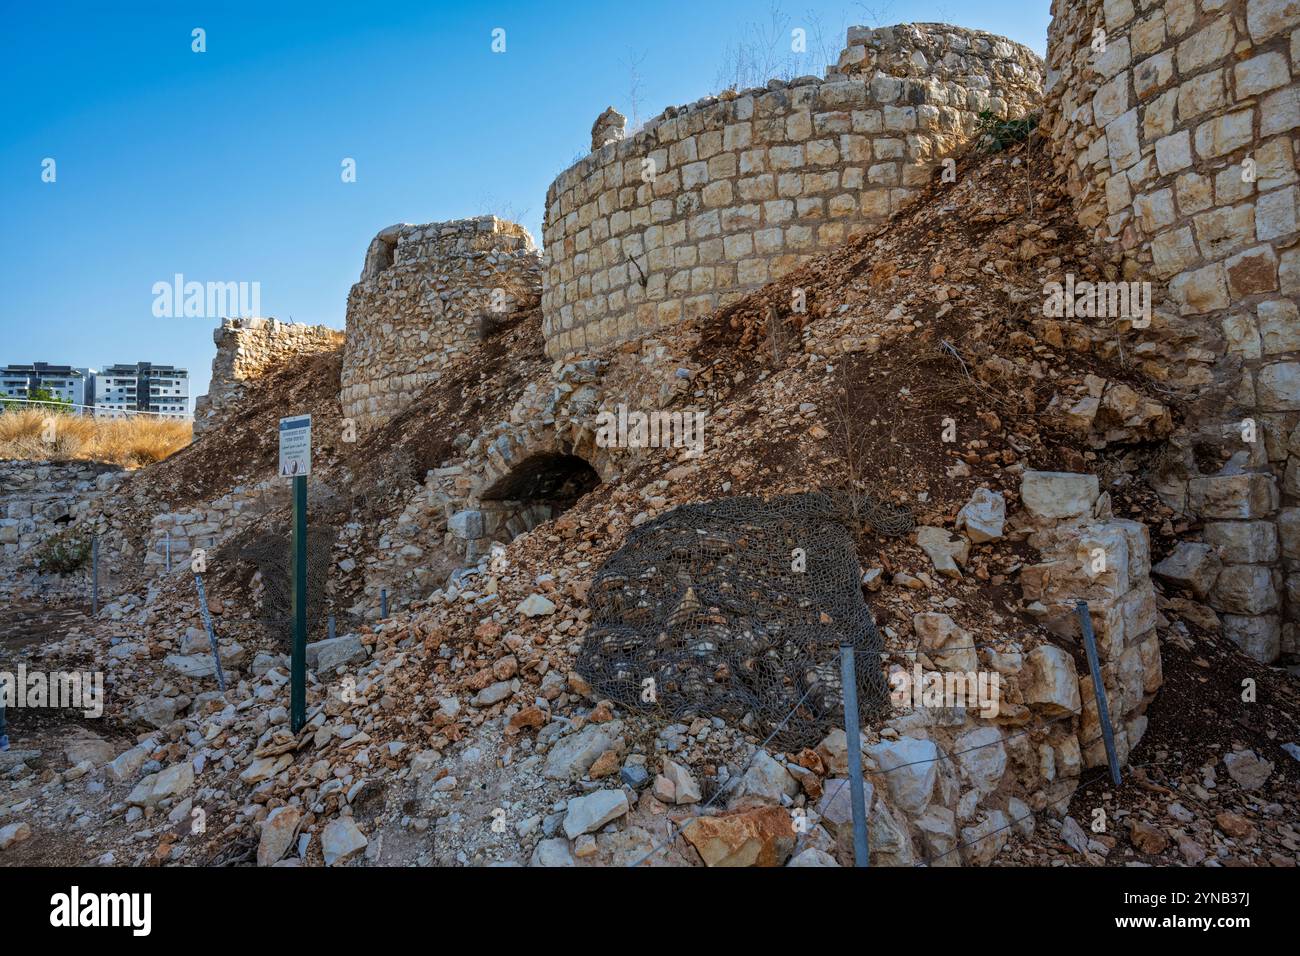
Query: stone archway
(537, 489)
(524, 478)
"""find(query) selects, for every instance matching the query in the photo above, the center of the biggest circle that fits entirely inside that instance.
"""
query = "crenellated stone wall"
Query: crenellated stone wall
(247, 348)
(424, 295)
(1178, 125)
(715, 199)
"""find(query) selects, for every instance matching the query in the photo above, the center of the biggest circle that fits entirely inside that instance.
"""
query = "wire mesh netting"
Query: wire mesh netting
(737, 608)
(272, 553)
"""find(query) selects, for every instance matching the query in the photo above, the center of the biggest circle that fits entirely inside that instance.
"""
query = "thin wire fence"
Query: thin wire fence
(99, 411)
(676, 829)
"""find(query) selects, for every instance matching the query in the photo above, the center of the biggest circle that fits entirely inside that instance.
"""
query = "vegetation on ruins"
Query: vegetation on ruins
(63, 553)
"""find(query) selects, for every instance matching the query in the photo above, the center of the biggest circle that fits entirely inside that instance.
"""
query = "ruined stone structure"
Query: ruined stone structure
(714, 199)
(1070, 524)
(209, 524)
(41, 499)
(246, 348)
(1177, 123)
(425, 295)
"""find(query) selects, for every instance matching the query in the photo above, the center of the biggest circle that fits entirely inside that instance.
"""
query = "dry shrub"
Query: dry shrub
(130, 442)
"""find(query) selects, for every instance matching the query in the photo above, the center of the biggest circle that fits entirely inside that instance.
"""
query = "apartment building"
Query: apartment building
(142, 387)
(65, 382)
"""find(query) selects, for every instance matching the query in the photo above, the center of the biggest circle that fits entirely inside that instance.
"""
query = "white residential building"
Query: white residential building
(65, 382)
(142, 387)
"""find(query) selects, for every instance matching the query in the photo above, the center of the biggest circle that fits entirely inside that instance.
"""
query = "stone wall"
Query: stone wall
(714, 199)
(247, 349)
(34, 495)
(1088, 554)
(1176, 122)
(207, 525)
(424, 295)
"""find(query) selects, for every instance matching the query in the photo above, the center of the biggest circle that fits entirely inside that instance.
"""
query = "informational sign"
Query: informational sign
(295, 446)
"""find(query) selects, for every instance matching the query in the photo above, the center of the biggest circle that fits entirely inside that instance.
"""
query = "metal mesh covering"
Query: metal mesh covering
(738, 607)
(273, 555)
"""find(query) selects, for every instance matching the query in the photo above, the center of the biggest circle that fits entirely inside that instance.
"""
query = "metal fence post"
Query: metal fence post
(298, 665)
(1099, 691)
(329, 627)
(383, 602)
(168, 543)
(212, 634)
(94, 575)
(853, 739)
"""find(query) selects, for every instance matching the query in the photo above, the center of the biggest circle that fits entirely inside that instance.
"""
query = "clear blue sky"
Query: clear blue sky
(225, 165)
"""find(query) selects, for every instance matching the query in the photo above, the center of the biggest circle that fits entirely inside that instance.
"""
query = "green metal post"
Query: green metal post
(298, 692)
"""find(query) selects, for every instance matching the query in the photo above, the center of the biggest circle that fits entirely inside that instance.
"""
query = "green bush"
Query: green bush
(997, 134)
(63, 553)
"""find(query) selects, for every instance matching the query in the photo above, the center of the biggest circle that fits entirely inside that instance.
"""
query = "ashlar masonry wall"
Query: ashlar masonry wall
(714, 199)
(247, 348)
(423, 296)
(1178, 123)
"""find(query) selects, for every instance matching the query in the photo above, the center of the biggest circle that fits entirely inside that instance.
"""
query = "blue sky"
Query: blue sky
(225, 165)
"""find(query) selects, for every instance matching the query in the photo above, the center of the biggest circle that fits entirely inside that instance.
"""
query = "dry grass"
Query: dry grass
(131, 442)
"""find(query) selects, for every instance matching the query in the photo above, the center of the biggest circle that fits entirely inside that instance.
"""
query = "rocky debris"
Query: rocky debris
(982, 757)
(88, 747)
(11, 834)
(910, 768)
(341, 840)
(157, 712)
(948, 646)
(126, 766)
(278, 832)
(1234, 825)
(1055, 495)
(765, 783)
(327, 656)
(574, 754)
(676, 785)
(983, 841)
(194, 667)
(984, 516)
(552, 852)
(762, 836)
(535, 605)
(1074, 836)
(1248, 768)
(164, 785)
(493, 694)
(946, 553)
(482, 691)
(1147, 838)
(812, 856)
(589, 813)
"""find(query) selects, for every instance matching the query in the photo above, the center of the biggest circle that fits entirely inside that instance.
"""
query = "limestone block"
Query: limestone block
(1259, 636)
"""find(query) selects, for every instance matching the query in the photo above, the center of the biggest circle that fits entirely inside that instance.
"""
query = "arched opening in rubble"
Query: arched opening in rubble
(537, 489)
